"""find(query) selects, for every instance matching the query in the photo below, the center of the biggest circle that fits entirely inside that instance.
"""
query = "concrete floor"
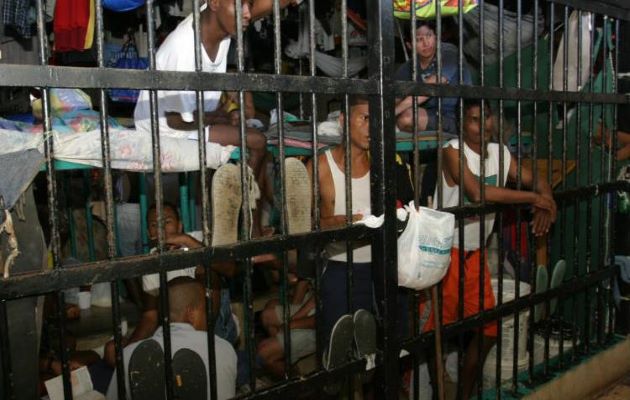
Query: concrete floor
(619, 390)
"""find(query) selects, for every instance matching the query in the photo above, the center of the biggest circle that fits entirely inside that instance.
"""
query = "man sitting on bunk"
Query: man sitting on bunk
(177, 109)
(176, 239)
(427, 71)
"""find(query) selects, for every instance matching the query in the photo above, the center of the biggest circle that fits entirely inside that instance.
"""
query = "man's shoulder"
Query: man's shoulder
(449, 50)
(177, 43)
(404, 71)
(452, 143)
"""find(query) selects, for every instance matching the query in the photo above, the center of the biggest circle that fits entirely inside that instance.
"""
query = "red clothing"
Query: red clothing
(450, 292)
(70, 24)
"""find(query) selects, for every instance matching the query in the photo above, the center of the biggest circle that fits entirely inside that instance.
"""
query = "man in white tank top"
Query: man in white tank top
(331, 175)
(333, 215)
(541, 200)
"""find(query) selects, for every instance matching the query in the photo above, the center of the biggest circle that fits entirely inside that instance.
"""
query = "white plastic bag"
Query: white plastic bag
(424, 247)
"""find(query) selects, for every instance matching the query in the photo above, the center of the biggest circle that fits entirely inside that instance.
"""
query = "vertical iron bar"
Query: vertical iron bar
(416, 177)
(460, 225)
(283, 207)
(416, 181)
(319, 345)
(109, 201)
(519, 159)
(563, 169)
(52, 193)
(589, 208)
(159, 203)
(347, 167)
(611, 171)
(578, 181)
(549, 157)
(498, 351)
(482, 192)
(438, 27)
(603, 204)
(246, 219)
(5, 350)
(205, 209)
(534, 158)
(383, 144)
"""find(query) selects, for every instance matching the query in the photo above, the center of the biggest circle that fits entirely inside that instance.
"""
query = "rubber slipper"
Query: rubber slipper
(365, 340)
(542, 280)
(189, 376)
(146, 371)
(226, 204)
(298, 200)
(557, 276)
(339, 349)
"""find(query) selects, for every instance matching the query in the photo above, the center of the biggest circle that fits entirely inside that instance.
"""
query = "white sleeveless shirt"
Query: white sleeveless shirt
(360, 205)
(451, 193)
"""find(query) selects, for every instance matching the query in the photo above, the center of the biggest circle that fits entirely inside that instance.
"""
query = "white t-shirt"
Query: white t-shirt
(151, 282)
(177, 53)
(451, 193)
(184, 336)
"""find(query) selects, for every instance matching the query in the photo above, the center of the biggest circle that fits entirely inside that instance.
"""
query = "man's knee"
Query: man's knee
(405, 120)
(268, 348)
(256, 140)
(489, 341)
(268, 317)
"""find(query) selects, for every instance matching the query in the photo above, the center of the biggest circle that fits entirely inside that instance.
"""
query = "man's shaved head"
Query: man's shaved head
(185, 296)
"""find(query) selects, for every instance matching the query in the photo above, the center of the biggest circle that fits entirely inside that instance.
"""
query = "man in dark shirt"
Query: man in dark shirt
(426, 48)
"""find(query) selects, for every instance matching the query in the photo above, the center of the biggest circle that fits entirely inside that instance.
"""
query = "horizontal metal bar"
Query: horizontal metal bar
(567, 289)
(107, 271)
(73, 77)
(599, 7)
(406, 88)
(580, 192)
(592, 190)
(53, 76)
(293, 388)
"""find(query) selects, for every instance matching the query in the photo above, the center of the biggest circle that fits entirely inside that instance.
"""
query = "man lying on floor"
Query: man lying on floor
(187, 311)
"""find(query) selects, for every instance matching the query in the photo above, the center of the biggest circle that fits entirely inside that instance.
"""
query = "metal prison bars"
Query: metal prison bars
(591, 265)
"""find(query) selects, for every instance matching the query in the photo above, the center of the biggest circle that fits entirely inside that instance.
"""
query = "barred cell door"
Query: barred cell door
(501, 114)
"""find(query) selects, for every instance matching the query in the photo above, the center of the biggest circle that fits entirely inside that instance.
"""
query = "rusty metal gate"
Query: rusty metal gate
(550, 122)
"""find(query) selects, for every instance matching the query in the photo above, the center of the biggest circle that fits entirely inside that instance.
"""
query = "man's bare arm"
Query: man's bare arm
(493, 194)
(175, 121)
(262, 8)
(327, 218)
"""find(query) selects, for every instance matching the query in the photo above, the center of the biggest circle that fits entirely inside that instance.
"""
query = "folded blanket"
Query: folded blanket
(129, 149)
(300, 131)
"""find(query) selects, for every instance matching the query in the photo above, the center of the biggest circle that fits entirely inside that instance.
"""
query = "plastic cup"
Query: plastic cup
(85, 300)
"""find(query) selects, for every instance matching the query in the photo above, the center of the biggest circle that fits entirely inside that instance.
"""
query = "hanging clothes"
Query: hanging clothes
(572, 36)
(18, 15)
(71, 23)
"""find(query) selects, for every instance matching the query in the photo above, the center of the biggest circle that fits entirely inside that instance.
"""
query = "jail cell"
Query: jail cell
(510, 108)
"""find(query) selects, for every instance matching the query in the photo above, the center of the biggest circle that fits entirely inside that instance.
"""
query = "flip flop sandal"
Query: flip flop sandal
(298, 200)
(557, 276)
(189, 376)
(339, 349)
(226, 204)
(146, 371)
(365, 340)
(542, 280)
